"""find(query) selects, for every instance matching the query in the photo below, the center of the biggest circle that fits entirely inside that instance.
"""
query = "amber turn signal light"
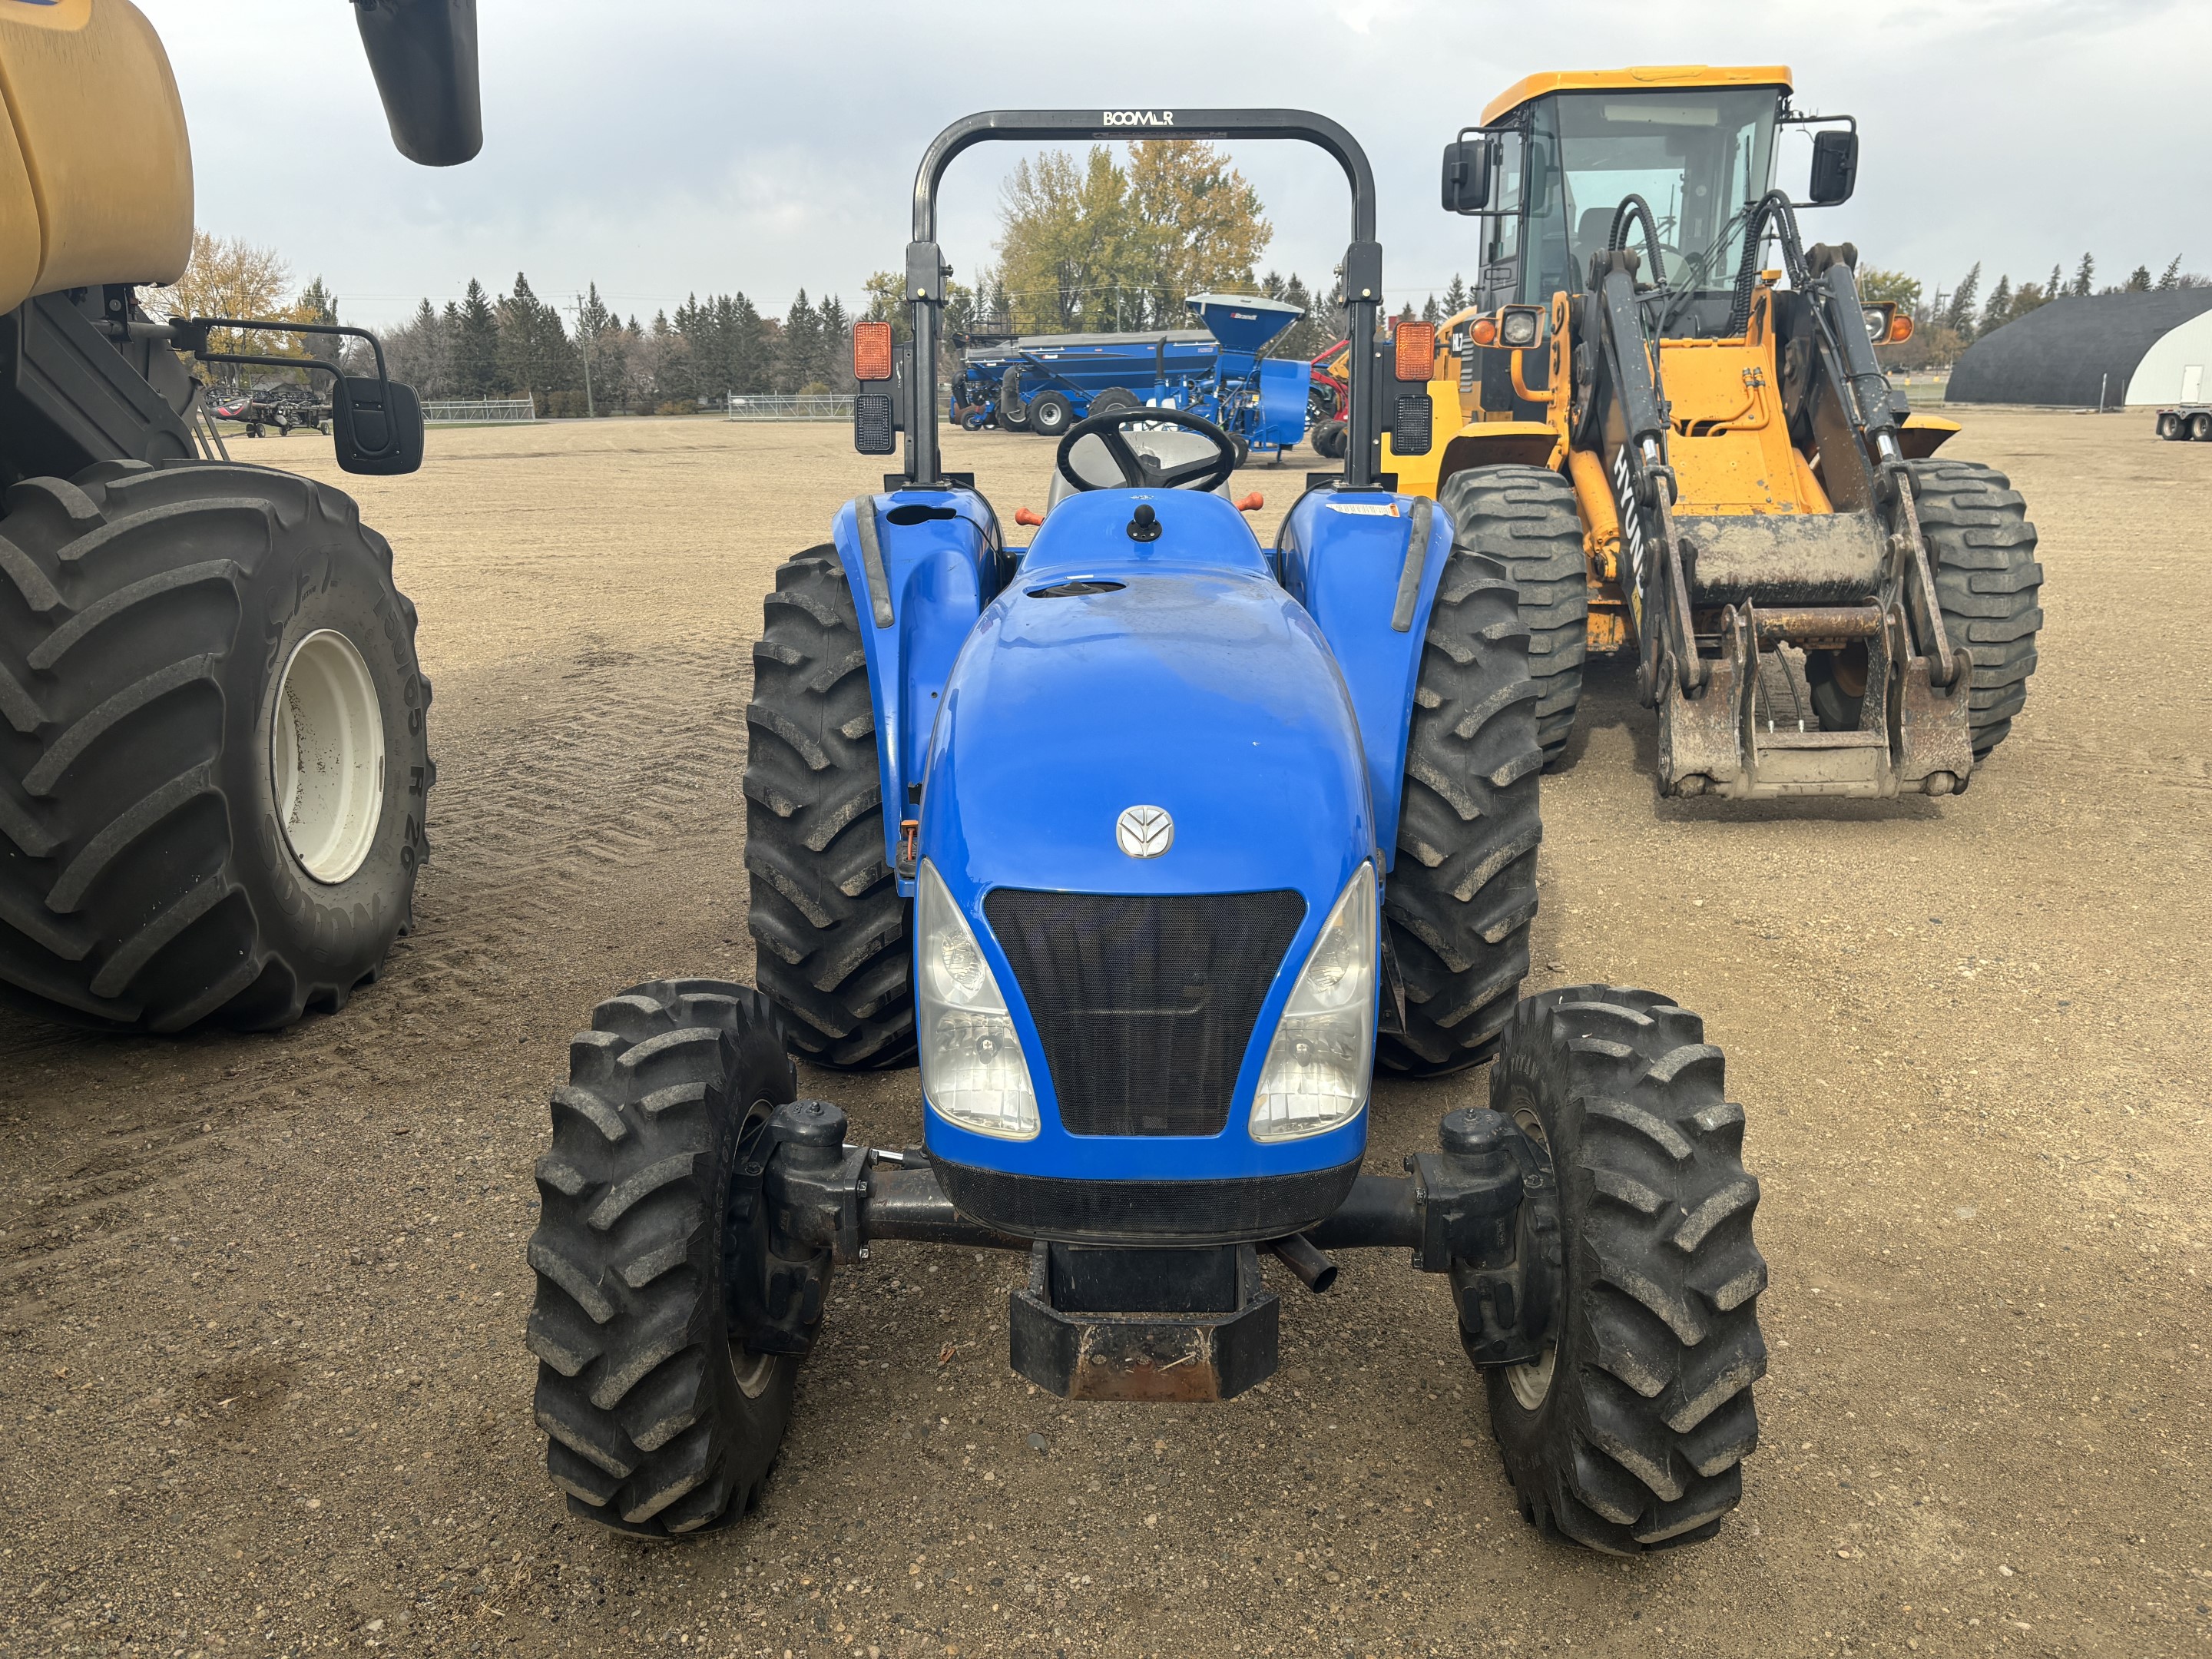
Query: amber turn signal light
(1900, 329)
(871, 352)
(1417, 350)
(1483, 330)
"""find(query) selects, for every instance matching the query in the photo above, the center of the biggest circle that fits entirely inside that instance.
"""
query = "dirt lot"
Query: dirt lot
(261, 1299)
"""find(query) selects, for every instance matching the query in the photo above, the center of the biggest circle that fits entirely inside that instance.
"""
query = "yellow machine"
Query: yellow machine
(1680, 450)
(212, 761)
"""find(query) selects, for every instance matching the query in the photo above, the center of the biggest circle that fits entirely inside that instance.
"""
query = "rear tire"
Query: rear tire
(1463, 890)
(1051, 414)
(658, 1419)
(1525, 517)
(1983, 548)
(1330, 441)
(1630, 1435)
(1115, 398)
(161, 631)
(825, 913)
(2200, 428)
(2169, 428)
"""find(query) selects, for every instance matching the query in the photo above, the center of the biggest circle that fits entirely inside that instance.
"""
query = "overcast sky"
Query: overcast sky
(705, 145)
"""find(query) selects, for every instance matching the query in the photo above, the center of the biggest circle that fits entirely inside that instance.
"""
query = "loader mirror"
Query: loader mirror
(1467, 175)
(1835, 167)
(423, 54)
(377, 425)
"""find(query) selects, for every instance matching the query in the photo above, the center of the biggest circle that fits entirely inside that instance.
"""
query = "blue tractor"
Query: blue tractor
(1148, 842)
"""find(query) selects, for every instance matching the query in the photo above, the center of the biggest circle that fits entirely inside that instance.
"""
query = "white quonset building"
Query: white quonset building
(2118, 348)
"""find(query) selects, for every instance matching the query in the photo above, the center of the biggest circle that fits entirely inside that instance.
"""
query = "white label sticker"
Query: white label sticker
(1366, 509)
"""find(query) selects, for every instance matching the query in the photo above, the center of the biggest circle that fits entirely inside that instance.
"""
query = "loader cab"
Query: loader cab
(1699, 156)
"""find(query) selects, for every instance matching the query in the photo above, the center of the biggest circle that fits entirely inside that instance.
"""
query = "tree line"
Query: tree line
(1945, 323)
(591, 360)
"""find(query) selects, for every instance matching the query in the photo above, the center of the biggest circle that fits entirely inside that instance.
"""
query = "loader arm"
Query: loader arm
(1703, 637)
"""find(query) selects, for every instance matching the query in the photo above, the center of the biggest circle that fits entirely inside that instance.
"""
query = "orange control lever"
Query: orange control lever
(1252, 503)
(1024, 516)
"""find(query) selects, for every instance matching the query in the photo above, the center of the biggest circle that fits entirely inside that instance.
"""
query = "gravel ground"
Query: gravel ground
(261, 1298)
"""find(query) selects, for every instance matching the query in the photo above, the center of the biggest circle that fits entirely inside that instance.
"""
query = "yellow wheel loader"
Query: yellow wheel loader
(1689, 454)
(213, 765)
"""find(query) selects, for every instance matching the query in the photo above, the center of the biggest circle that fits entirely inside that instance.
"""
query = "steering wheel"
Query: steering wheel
(1142, 471)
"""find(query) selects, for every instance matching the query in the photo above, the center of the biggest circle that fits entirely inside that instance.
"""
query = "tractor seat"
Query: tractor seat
(1168, 445)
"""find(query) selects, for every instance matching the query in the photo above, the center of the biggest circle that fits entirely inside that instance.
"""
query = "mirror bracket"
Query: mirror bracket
(362, 407)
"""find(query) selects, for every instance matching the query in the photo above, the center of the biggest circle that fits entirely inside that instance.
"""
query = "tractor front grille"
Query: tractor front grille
(1145, 1003)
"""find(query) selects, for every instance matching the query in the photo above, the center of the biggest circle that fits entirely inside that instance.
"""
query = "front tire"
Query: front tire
(658, 1418)
(1463, 889)
(1526, 518)
(214, 766)
(1983, 548)
(825, 913)
(1629, 1434)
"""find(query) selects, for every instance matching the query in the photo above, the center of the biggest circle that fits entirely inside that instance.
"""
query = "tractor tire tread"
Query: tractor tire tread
(1463, 890)
(1982, 548)
(637, 1391)
(1525, 517)
(825, 912)
(137, 893)
(1639, 1445)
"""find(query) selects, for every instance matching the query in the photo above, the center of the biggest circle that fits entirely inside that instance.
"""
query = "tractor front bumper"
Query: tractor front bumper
(1112, 1312)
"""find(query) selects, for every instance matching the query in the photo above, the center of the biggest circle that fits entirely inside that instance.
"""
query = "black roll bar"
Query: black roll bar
(926, 269)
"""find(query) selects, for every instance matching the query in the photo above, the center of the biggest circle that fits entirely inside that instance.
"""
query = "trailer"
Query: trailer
(2182, 423)
(1046, 383)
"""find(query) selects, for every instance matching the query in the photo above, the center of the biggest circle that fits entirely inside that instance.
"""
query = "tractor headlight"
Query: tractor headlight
(972, 1069)
(1518, 327)
(1316, 1072)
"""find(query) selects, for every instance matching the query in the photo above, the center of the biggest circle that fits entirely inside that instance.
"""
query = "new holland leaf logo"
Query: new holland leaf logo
(1143, 832)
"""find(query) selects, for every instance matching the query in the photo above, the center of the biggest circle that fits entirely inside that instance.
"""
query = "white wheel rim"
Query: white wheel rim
(755, 1371)
(326, 757)
(1532, 1383)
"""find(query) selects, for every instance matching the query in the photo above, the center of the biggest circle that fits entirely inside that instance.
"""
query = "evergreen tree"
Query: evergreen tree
(1455, 296)
(1998, 312)
(2171, 276)
(419, 352)
(476, 344)
(751, 369)
(2056, 286)
(1431, 312)
(800, 352)
(2085, 275)
(2139, 280)
(834, 328)
(1309, 333)
(1958, 316)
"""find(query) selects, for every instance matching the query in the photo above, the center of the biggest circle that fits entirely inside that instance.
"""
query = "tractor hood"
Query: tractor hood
(1175, 674)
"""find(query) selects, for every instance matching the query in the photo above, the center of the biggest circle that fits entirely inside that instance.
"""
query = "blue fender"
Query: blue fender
(943, 561)
(1343, 556)
(1200, 686)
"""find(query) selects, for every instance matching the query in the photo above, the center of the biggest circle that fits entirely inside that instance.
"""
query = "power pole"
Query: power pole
(589, 412)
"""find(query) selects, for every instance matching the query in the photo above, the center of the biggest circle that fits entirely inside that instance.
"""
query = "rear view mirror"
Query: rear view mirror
(1835, 167)
(423, 54)
(1467, 176)
(377, 426)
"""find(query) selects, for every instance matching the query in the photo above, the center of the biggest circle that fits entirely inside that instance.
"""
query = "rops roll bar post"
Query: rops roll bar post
(926, 269)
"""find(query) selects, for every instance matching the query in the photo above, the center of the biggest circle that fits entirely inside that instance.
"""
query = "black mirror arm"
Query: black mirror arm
(192, 333)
